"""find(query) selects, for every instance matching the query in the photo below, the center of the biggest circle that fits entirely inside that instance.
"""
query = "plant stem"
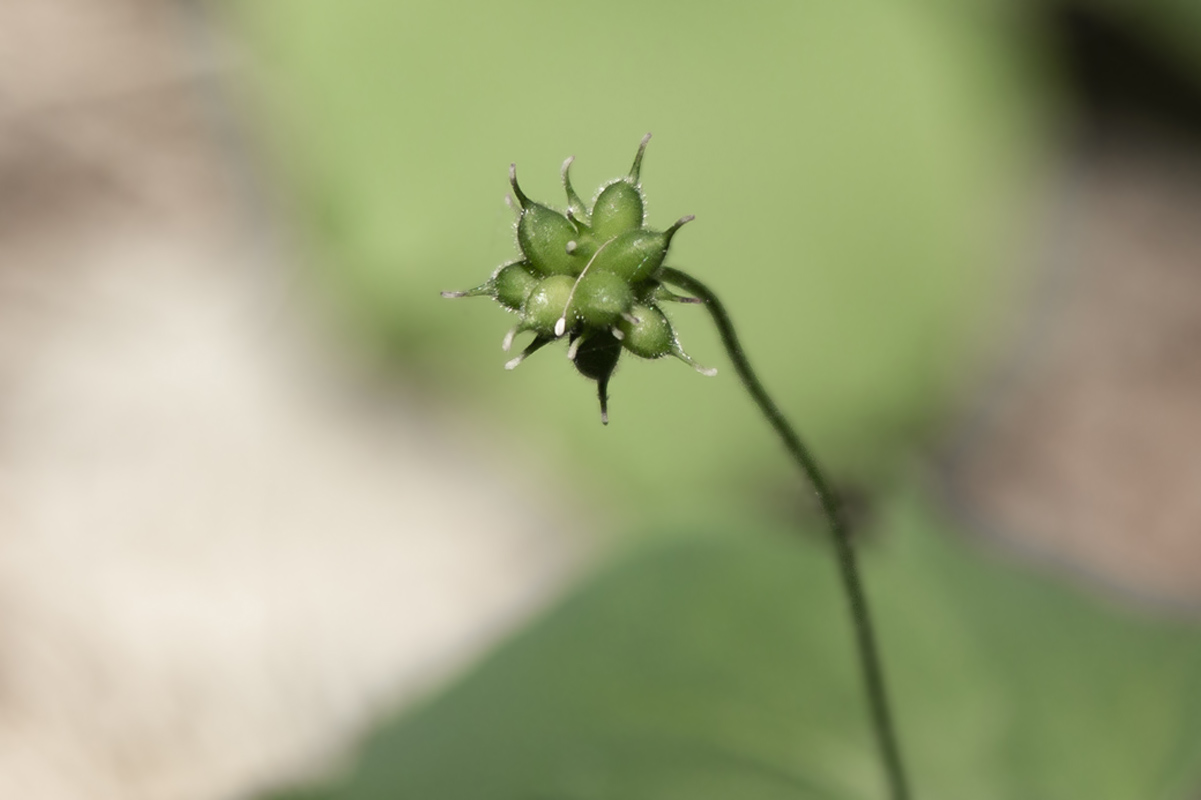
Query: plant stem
(869, 657)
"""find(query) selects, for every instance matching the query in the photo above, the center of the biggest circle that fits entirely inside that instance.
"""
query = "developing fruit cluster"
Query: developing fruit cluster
(589, 275)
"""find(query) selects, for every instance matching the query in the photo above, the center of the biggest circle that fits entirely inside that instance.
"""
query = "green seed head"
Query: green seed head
(589, 274)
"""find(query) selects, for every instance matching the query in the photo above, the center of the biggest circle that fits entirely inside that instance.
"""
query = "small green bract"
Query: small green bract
(589, 276)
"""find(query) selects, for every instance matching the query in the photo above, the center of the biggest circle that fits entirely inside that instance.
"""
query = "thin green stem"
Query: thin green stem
(869, 656)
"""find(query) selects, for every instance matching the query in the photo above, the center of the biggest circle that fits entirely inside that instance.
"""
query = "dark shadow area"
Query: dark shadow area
(1121, 77)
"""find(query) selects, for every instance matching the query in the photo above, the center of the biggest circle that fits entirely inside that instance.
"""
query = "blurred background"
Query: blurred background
(272, 514)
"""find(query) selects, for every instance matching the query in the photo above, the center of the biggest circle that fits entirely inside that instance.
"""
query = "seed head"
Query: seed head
(589, 275)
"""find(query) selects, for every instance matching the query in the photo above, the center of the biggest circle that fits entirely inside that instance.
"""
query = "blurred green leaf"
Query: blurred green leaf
(720, 667)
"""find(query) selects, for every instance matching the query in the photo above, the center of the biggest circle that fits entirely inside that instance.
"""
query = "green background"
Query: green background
(865, 178)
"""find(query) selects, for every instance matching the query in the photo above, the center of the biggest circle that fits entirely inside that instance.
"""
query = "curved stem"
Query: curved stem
(869, 657)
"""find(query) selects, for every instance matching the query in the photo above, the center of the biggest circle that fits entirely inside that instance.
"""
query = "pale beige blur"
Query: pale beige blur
(218, 554)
